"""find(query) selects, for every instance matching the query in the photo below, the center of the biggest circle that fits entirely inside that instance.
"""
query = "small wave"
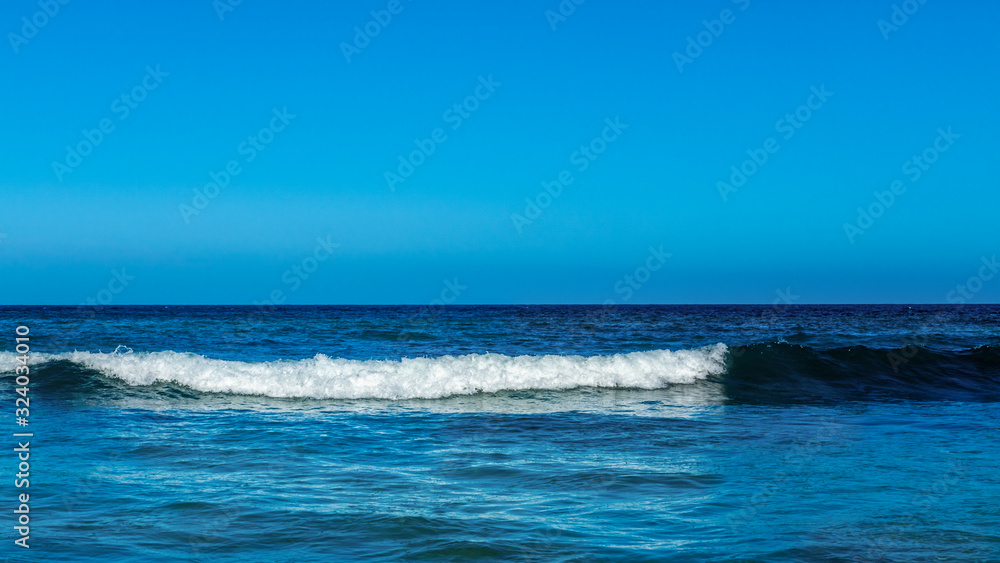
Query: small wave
(782, 372)
(773, 373)
(322, 377)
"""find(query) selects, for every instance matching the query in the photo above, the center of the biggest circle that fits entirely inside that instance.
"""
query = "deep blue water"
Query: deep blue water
(526, 433)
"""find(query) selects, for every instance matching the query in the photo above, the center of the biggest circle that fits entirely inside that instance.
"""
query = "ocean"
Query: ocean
(504, 433)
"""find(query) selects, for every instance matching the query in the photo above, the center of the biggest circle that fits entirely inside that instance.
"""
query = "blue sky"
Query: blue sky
(272, 82)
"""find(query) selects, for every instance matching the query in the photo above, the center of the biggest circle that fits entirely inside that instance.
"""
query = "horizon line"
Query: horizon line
(447, 305)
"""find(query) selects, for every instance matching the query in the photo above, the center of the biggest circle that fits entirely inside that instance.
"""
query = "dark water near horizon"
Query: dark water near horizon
(510, 433)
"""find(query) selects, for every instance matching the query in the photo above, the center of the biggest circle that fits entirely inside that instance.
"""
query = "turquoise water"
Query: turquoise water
(228, 434)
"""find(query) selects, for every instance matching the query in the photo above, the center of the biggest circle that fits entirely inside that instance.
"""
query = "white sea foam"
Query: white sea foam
(322, 377)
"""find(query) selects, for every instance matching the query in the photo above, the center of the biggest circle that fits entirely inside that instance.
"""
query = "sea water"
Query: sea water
(520, 433)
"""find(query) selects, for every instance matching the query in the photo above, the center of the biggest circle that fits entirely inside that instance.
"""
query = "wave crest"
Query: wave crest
(322, 377)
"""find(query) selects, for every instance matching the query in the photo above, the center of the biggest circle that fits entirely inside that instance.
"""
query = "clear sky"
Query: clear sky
(642, 108)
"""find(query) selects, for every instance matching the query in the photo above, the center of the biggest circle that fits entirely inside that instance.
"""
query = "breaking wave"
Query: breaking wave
(759, 373)
(322, 377)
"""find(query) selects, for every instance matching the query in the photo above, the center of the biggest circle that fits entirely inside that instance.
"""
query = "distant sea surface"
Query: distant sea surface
(507, 433)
